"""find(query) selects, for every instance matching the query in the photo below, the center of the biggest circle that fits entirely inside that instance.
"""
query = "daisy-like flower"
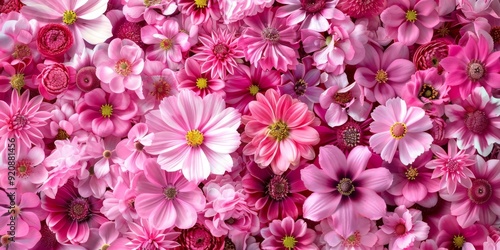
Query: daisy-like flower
(452, 236)
(202, 84)
(279, 131)
(395, 126)
(480, 202)
(472, 65)
(167, 199)
(24, 208)
(21, 119)
(452, 166)
(200, 11)
(343, 186)
(71, 216)
(474, 121)
(313, 14)
(410, 21)
(194, 134)
(167, 42)
(143, 235)
(83, 17)
(269, 42)
(403, 228)
(288, 234)
(218, 53)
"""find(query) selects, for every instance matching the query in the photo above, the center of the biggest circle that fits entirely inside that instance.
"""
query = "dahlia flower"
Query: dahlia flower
(452, 235)
(167, 43)
(313, 15)
(194, 134)
(288, 234)
(361, 8)
(279, 131)
(395, 126)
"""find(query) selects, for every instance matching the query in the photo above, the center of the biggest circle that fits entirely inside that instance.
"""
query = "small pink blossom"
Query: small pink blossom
(288, 234)
(403, 228)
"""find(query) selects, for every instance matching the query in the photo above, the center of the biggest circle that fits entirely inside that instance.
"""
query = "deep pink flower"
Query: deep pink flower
(199, 11)
(343, 186)
(199, 237)
(289, 234)
(54, 40)
(279, 131)
(410, 21)
(202, 84)
(269, 42)
(452, 235)
(361, 8)
(396, 126)
(194, 134)
(403, 228)
(143, 235)
(313, 15)
(167, 43)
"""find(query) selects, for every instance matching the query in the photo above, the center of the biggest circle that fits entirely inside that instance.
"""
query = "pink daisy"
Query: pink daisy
(119, 64)
(474, 121)
(452, 166)
(343, 187)
(194, 134)
(289, 234)
(279, 131)
(143, 235)
(200, 11)
(395, 126)
(167, 43)
(410, 21)
(83, 17)
(202, 84)
(403, 228)
(453, 236)
(313, 14)
(13, 76)
(269, 42)
(167, 199)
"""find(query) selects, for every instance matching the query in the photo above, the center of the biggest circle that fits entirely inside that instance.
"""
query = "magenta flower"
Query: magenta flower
(474, 121)
(313, 15)
(119, 64)
(452, 235)
(397, 127)
(403, 228)
(106, 114)
(202, 84)
(288, 234)
(194, 134)
(199, 237)
(167, 199)
(343, 186)
(279, 131)
(167, 43)
(269, 42)
(145, 236)
(361, 8)
(410, 21)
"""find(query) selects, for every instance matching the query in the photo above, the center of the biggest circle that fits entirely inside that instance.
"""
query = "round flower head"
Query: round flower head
(54, 40)
(397, 127)
(361, 8)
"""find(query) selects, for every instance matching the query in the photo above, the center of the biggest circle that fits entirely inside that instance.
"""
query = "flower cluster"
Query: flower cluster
(249, 124)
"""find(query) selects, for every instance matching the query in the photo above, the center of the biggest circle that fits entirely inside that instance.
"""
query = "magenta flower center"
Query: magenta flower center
(131, 31)
(170, 193)
(56, 80)
(345, 186)
(428, 92)
(480, 191)
(300, 87)
(411, 173)
(477, 121)
(161, 89)
(495, 34)
(398, 130)
(400, 229)
(475, 70)
(351, 136)
(313, 6)
(122, 67)
(221, 51)
(131, 203)
(452, 166)
(79, 209)
(381, 76)
(86, 79)
(17, 121)
(21, 51)
(353, 241)
(17, 81)
(62, 134)
(279, 130)
(278, 188)
(271, 34)
(23, 168)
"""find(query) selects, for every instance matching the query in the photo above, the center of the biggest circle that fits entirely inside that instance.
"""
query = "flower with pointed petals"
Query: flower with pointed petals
(167, 43)
(313, 14)
(199, 11)
(202, 84)
(288, 234)
(143, 235)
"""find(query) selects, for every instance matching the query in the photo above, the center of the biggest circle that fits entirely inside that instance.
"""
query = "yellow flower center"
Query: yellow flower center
(69, 17)
(381, 76)
(289, 242)
(194, 138)
(122, 67)
(458, 241)
(345, 187)
(398, 130)
(105, 247)
(6, 239)
(22, 169)
(166, 44)
(411, 16)
(279, 130)
(254, 89)
(201, 83)
(106, 110)
(411, 173)
(17, 81)
(201, 3)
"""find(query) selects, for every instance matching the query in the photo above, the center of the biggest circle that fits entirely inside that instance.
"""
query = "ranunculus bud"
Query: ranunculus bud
(54, 40)
(54, 79)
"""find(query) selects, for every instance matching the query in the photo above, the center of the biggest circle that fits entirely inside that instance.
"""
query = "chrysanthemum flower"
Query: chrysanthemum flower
(199, 237)
(202, 84)
(474, 121)
(453, 236)
(167, 42)
(194, 134)
(167, 199)
(403, 228)
(343, 186)
(269, 42)
(313, 14)
(143, 235)
(84, 17)
(279, 131)
(395, 126)
(288, 234)
(410, 21)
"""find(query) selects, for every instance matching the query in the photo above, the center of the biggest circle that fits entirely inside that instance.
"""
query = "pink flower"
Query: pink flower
(151, 11)
(72, 216)
(167, 199)
(288, 234)
(403, 228)
(14, 75)
(199, 11)
(474, 121)
(199, 237)
(55, 80)
(131, 150)
(452, 166)
(29, 171)
(119, 202)
(235, 10)
(83, 17)
(397, 127)
(24, 208)
(167, 43)
(269, 42)
(360, 235)
(279, 131)
(158, 83)
(202, 84)
(478, 203)
(26, 241)
(410, 21)
(452, 235)
(102, 153)
(54, 40)
(106, 237)
(361, 8)
(313, 15)
(143, 235)
(119, 64)
(18, 38)
(343, 186)
(106, 114)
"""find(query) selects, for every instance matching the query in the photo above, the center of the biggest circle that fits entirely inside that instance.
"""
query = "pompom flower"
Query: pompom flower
(53, 40)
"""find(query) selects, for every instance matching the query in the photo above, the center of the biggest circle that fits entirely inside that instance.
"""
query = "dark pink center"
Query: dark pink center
(480, 191)
(400, 229)
(313, 6)
(278, 187)
(221, 51)
(79, 209)
(477, 121)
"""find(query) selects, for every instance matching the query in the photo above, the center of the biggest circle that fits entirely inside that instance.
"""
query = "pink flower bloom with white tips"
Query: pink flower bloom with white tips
(288, 234)
(167, 43)
(131, 150)
(143, 235)
(192, 78)
(167, 199)
(119, 64)
(313, 15)
(83, 17)
(199, 11)
(410, 21)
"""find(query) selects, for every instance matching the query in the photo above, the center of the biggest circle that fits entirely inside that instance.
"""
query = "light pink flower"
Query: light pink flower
(279, 131)
(131, 150)
(194, 134)
(119, 202)
(288, 234)
(29, 171)
(199, 11)
(152, 12)
(18, 38)
(143, 235)
(167, 199)
(395, 126)
(24, 208)
(102, 153)
(313, 15)
(403, 228)
(167, 43)
(22, 242)
(106, 237)
(360, 235)
(235, 10)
